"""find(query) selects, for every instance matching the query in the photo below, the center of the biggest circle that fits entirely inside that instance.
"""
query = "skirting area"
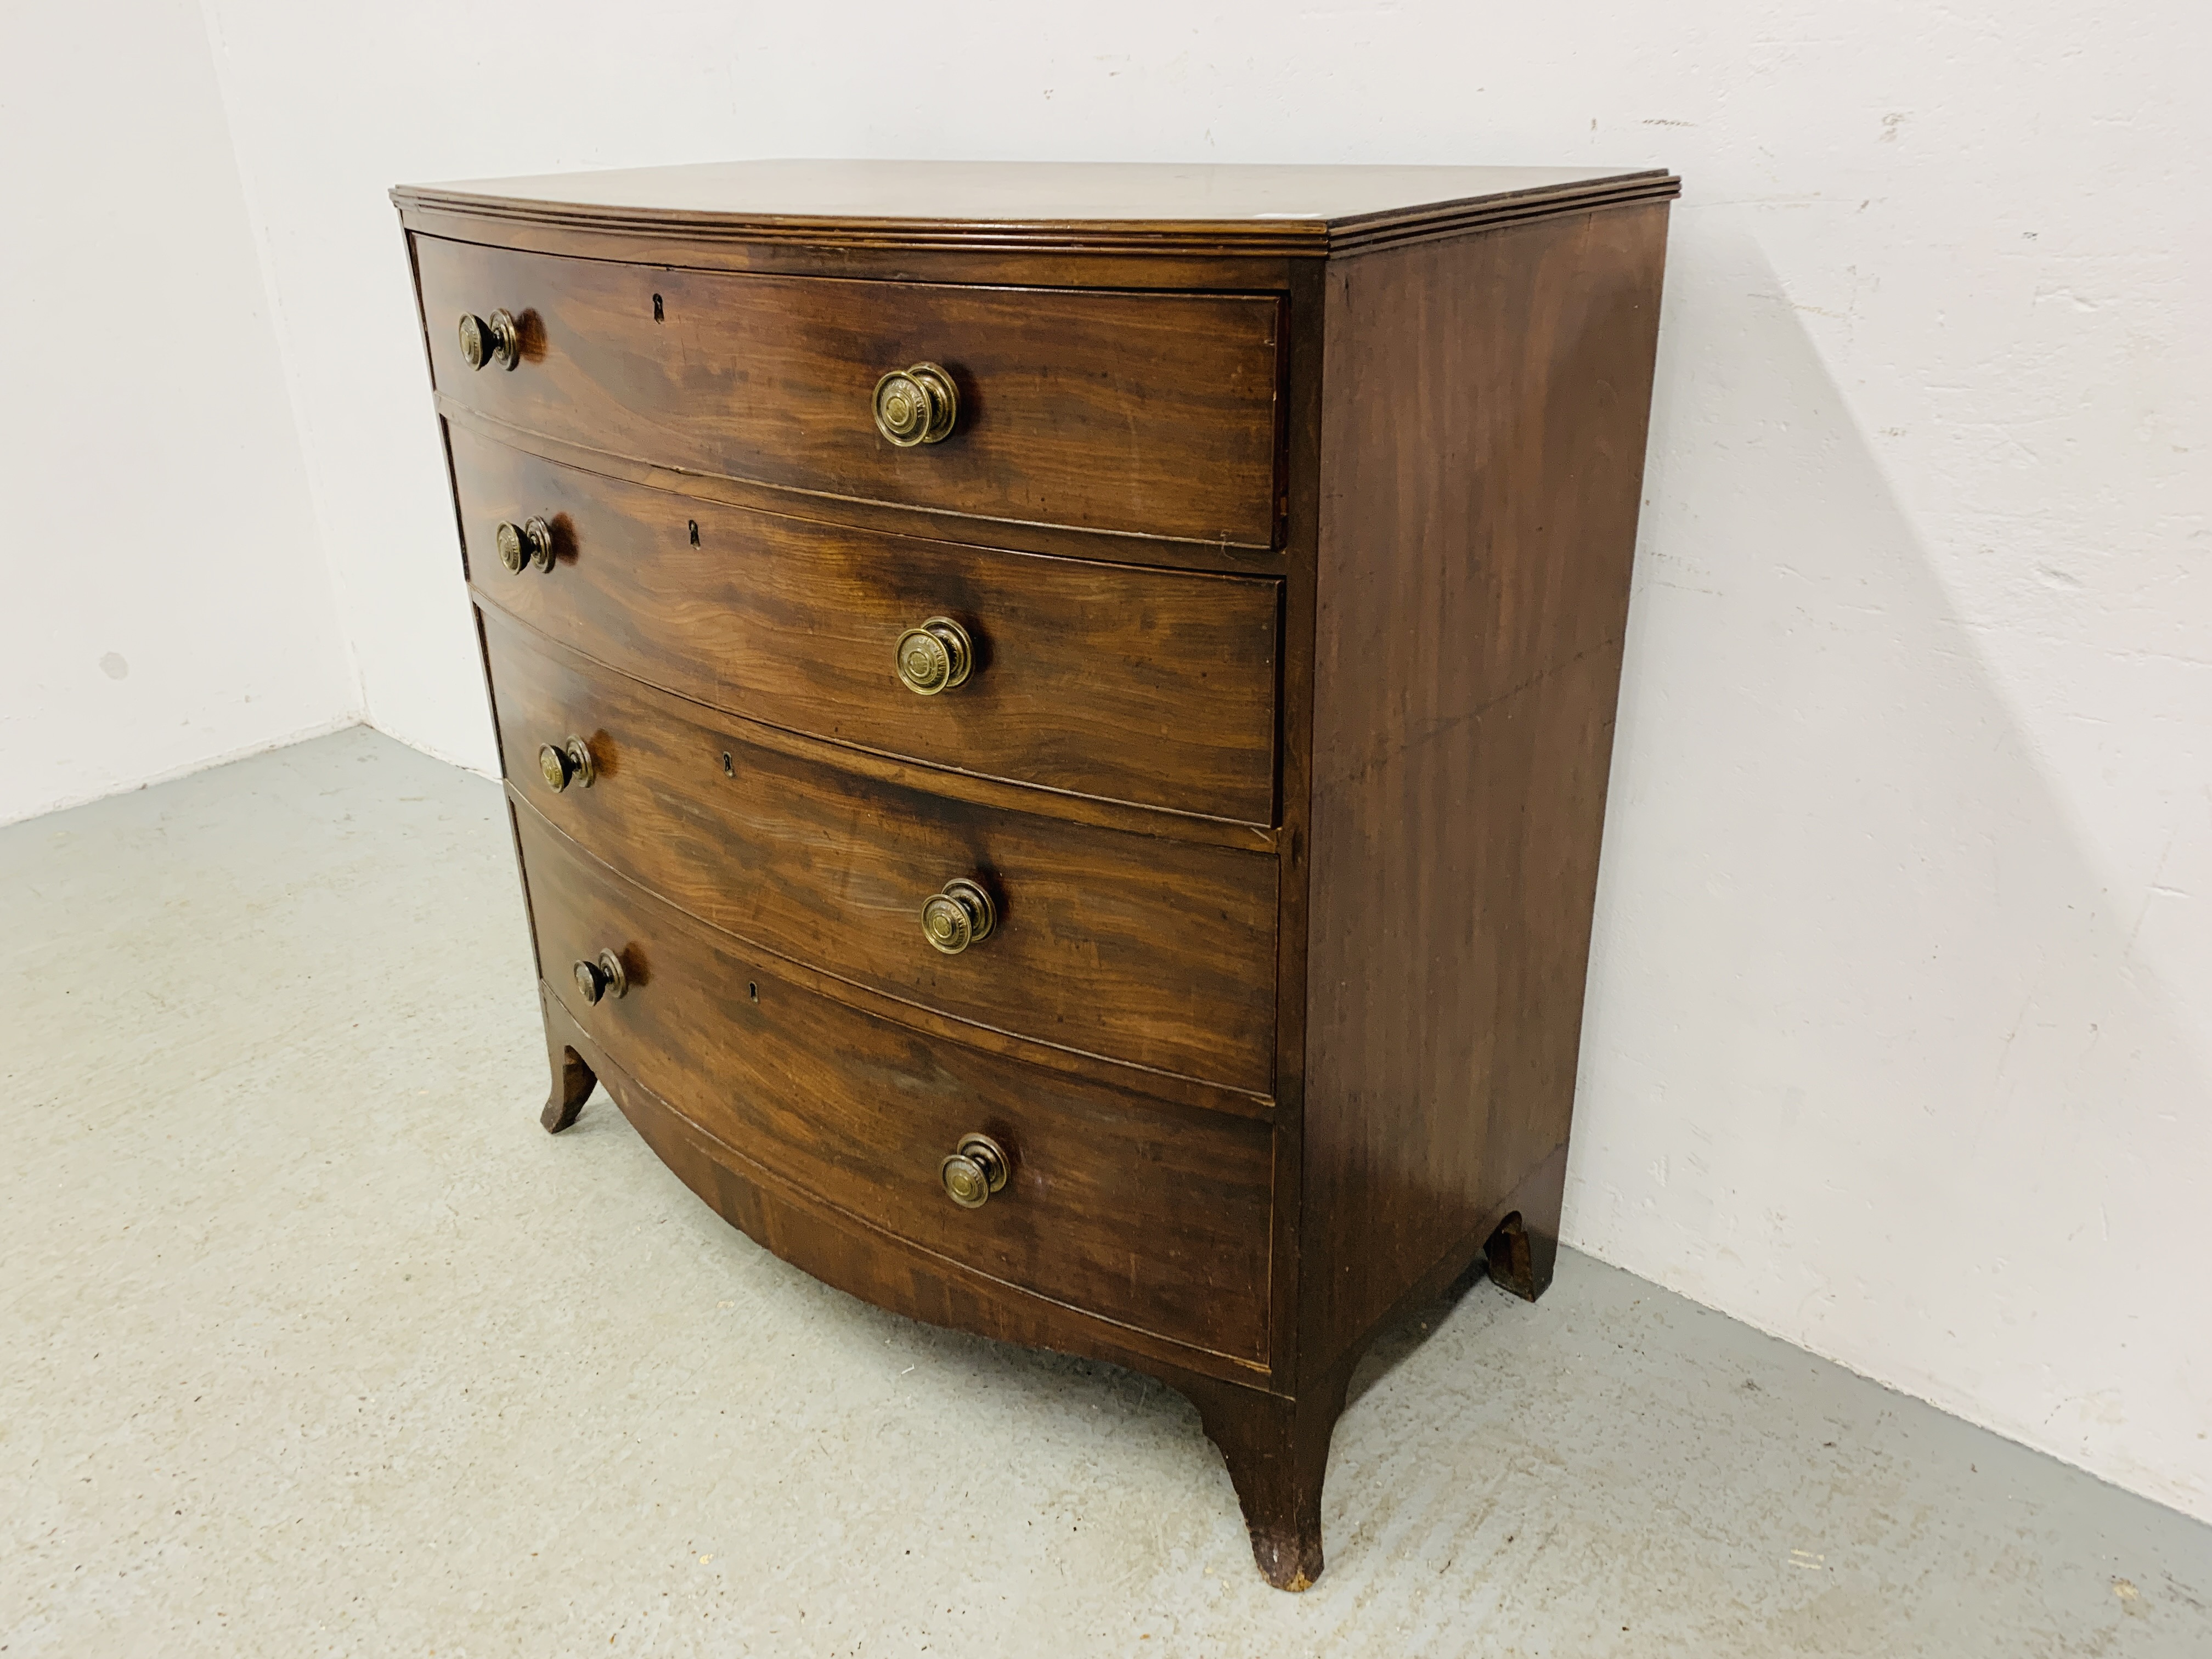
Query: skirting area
(318, 1344)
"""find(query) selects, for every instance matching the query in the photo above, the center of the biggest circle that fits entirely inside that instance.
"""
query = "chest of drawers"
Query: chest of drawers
(1056, 720)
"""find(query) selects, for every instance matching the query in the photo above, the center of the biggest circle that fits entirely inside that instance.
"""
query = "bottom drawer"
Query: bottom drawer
(1153, 1216)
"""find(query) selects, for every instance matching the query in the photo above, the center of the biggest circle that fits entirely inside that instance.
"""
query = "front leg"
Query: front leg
(1277, 1450)
(573, 1082)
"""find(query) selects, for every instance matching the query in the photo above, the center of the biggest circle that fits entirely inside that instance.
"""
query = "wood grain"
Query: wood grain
(890, 517)
(1304, 408)
(1152, 413)
(851, 1253)
(1150, 1216)
(1157, 210)
(945, 262)
(1132, 947)
(1473, 599)
(1149, 686)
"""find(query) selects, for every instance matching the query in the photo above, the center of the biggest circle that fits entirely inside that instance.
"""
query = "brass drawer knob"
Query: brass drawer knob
(526, 543)
(916, 405)
(564, 764)
(962, 916)
(976, 1169)
(935, 656)
(603, 978)
(497, 339)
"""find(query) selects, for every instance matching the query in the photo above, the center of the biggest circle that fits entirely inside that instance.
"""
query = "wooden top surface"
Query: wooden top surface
(1132, 206)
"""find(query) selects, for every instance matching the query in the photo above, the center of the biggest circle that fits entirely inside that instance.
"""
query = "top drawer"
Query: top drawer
(1151, 414)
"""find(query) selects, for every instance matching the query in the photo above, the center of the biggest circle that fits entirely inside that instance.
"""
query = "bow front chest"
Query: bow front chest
(1056, 720)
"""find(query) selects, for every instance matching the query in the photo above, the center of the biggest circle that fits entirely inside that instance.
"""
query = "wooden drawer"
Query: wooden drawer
(1155, 1218)
(1154, 951)
(1153, 414)
(1152, 686)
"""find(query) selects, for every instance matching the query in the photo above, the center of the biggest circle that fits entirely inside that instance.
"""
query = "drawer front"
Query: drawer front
(1152, 686)
(1152, 1217)
(1155, 951)
(1153, 414)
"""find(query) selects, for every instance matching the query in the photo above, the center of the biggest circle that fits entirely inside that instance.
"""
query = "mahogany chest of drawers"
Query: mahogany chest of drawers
(1056, 720)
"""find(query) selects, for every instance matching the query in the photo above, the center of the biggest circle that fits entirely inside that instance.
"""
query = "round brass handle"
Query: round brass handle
(528, 542)
(604, 978)
(564, 764)
(935, 656)
(497, 339)
(962, 916)
(974, 1170)
(916, 405)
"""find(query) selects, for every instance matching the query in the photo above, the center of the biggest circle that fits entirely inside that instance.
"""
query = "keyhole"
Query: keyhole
(694, 523)
(752, 989)
(728, 770)
(657, 316)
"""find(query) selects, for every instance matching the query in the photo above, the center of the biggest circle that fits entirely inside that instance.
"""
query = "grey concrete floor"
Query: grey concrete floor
(317, 1343)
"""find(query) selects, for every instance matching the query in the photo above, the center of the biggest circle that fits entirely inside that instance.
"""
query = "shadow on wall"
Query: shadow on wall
(1868, 1061)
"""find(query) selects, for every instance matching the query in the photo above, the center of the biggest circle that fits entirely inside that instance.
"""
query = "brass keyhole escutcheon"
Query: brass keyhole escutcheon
(962, 916)
(602, 977)
(494, 339)
(530, 542)
(977, 1168)
(564, 764)
(916, 405)
(935, 656)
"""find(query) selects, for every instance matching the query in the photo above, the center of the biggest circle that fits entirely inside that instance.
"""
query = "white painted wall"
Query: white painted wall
(1900, 1028)
(164, 601)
